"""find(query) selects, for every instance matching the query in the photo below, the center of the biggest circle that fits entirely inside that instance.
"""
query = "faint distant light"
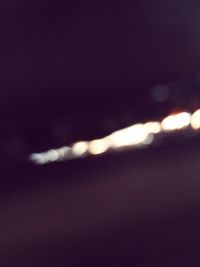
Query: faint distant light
(153, 127)
(99, 146)
(80, 148)
(149, 140)
(176, 122)
(53, 155)
(38, 158)
(50, 156)
(160, 93)
(63, 153)
(133, 135)
(195, 120)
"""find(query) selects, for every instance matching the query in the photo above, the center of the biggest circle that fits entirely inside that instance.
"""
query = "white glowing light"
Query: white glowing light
(153, 127)
(50, 156)
(99, 146)
(195, 120)
(149, 140)
(63, 153)
(176, 122)
(40, 158)
(80, 148)
(53, 155)
(37, 158)
(134, 135)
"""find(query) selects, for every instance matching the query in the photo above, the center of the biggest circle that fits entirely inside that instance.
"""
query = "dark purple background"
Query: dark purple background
(65, 59)
(69, 56)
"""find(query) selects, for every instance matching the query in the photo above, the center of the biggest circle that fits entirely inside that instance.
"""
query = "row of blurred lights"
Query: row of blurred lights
(137, 135)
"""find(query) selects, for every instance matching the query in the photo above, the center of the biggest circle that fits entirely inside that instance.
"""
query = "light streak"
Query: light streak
(137, 135)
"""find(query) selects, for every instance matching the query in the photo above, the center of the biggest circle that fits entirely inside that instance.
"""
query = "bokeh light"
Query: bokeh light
(137, 135)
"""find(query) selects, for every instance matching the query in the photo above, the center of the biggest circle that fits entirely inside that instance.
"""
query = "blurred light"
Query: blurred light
(153, 127)
(80, 148)
(149, 140)
(63, 152)
(50, 156)
(176, 122)
(99, 146)
(160, 93)
(195, 120)
(133, 135)
(53, 155)
(37, 158)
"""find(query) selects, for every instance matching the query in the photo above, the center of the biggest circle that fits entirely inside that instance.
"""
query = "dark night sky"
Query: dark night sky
(60, 54)
(128, 209)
